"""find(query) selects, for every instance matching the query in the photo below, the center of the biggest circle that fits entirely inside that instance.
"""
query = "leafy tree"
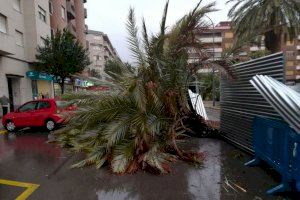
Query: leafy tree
(138, 126)
(259, 54)
(62, 56)
(206, 86)
(270, 18)
(95, 73)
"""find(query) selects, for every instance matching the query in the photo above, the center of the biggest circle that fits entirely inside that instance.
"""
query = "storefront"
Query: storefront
(81, 84)
(42, 84)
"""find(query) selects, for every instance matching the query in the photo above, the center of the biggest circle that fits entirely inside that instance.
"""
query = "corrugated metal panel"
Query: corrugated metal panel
(240, 101)
(282, 98)
(198, 105)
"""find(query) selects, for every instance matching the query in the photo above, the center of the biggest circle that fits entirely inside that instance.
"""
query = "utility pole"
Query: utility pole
(213, 65)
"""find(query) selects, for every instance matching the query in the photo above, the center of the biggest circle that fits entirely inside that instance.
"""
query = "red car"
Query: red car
(39, 113)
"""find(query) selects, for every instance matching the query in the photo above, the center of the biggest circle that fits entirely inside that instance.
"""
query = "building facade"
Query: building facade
(69, 14)
(101, 50)
(218, 39)
(23, 26)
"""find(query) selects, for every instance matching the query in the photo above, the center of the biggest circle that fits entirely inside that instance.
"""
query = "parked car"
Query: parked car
(47, 113)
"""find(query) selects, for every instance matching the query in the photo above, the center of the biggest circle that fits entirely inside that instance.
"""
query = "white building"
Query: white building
(101, 50)
(24, 24)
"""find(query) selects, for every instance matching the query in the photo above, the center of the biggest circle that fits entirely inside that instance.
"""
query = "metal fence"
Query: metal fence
(241, 102)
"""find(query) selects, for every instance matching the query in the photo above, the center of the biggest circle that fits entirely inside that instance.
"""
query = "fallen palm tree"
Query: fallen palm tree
(139, 125)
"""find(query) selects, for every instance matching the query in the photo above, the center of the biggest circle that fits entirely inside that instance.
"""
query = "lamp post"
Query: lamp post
(213, 66)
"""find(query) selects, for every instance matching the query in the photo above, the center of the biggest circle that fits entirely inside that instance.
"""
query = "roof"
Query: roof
(92, 32)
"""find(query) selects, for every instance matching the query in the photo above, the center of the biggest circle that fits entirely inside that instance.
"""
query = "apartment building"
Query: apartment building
(219, 38)
(101, 50)
(69, 14)
(23, 26)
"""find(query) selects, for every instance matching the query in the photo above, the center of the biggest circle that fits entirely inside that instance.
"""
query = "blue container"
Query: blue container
(276, 143)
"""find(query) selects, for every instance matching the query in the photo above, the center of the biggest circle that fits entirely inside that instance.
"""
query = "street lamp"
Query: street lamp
(213, 66)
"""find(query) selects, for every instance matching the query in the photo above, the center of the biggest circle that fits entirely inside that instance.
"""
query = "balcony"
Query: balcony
(86, 29)
(211, 40)
(298, 47)
(216, 50)
(298, 57)
(7, 46)
(70, 10)
(85, 13)
(72, 28)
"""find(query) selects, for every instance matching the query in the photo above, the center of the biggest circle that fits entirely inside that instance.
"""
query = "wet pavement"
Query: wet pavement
(213, 113)
(28, 158)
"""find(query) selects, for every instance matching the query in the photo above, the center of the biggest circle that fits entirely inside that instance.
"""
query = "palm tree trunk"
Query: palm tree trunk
(273, 41)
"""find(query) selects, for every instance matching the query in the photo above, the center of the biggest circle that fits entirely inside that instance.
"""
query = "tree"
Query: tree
(206, 86)
(259, 54)
(62, 56)
(270, 18)
(138, 127)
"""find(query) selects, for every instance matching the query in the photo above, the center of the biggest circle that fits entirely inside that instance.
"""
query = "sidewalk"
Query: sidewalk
(2, 130)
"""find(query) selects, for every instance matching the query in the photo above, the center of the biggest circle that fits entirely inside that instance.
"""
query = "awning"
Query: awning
(34, 75)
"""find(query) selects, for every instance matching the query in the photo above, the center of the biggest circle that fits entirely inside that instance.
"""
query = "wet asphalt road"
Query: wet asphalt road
(28, 158)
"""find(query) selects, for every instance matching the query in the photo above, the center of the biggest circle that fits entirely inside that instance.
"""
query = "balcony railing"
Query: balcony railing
(72, 28)
(256, 48)
(70, 10)
(211, 39)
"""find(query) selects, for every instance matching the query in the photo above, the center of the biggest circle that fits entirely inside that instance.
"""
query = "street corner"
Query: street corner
(14, 186)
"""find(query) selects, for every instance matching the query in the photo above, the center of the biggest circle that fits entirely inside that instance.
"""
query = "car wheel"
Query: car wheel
(50, 125)
(10, 126)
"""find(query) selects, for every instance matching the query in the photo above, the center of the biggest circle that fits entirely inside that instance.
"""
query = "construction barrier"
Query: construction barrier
(276, 143)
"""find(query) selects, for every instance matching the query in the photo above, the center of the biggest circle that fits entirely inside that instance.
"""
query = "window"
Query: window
(43, 105)
(50, 7)
(97, 37)
(290, 54)
(3, 28)
(96, 48)
(63, 12)
(17, 5)
(19, 38)
(96, 58)
(28, 107)
(243, 53)
(42, 14)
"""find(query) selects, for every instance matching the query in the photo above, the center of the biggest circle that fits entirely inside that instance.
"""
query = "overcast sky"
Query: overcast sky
(109, 16)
